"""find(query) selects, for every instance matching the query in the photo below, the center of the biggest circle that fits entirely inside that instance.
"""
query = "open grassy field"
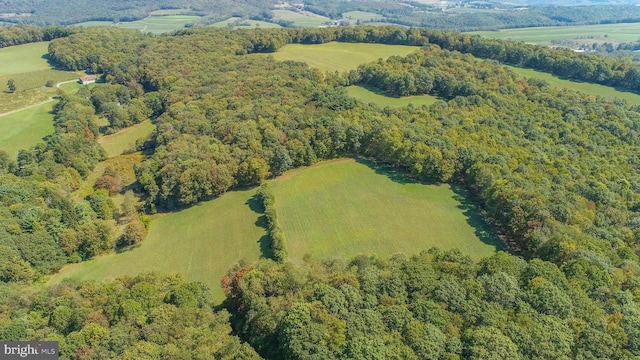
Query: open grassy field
(361, 15)
(239, 23)
(23, 58)
(300, 19)
(166, 12)
(159, 24)
(373, 96)
(152, 24)
(28, 67)
(339, 56)
(116, 144)
(345, 207)
(25, 128)
(587, 88)
(201, 242)
(336, 208)
(613, 33)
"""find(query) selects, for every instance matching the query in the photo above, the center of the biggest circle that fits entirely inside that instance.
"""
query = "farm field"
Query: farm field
(373, 96)
(239, 23)
(23, 58)
(166, 12)
(339, 56)
(362, 16)
(346, 207)
(341, 206)
(28, 67)
(587, 88)
(613, 33)
(25, 128)
(201, 242)
(152, 24)
(116, 144)
(300, 19)
(159, 24)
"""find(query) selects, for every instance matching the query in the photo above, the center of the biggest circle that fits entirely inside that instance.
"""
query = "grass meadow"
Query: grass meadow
(201, 242)
(587, 88)
(300, 19)
(336, 208)
(239, 23)
(28, 67)
(25, 128)
(337, 56)
(123, 140)
(371, 95)
(347, 56)
(341, 208)
(23, 58)
(151, 24)
(613, 33)
(362, 16)
(159, 24)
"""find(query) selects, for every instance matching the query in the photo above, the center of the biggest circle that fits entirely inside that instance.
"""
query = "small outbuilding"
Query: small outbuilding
(89, 79)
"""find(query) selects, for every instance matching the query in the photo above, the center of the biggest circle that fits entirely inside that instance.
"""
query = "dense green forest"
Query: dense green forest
(18, 35)
(147, 317)
(555, 172)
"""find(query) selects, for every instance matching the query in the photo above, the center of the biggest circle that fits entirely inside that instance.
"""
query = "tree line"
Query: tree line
(18, 35)
(276, 235)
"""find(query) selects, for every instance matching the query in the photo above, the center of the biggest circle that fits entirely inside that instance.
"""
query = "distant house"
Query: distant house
(89, 79)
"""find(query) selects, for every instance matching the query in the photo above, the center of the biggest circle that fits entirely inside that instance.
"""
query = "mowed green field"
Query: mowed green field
(300, 19)
(25, 128)
(23, 59)
(587, 88)
(27, 66)
(245, 24)
(125, 139)
(371, 96)
(613, 33)
(340, 56)
(152, 24)
(338, 209)
(201, 242)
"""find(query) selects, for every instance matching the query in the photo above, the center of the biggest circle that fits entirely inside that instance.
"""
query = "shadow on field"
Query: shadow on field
(255, 204)
(48, 58)
(475, 219)
(388, 171)
(380, 92)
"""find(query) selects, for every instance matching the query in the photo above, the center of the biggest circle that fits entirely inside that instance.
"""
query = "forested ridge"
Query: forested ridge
(49, 12)
(554, 170)
(456, 16)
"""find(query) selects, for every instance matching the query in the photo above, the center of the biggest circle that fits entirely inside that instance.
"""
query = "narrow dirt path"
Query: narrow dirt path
(38, 103)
